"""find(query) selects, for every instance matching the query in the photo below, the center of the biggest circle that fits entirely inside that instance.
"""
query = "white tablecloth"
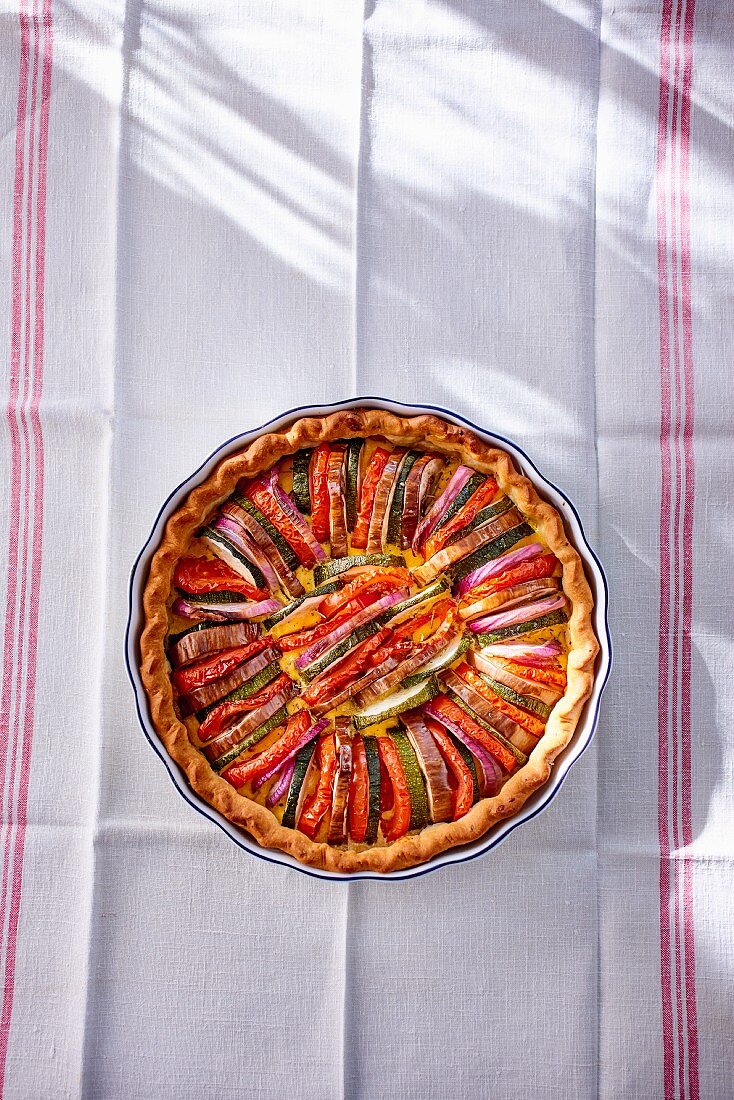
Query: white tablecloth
(213, 212)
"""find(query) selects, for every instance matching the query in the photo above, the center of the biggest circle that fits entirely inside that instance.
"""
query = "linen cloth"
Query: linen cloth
(212, 213)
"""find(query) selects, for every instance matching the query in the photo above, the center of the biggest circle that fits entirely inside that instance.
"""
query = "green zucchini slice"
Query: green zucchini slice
(492, 511)
(282, 545)
(251, 740)
(460, 499)
(553, 618)
(354, 457)
(244, 691)
(419, 815)
(441, 661)
(303, 761)
(468, 759)
(399, 701)
(327, 570)
(526, 702)
(301, 487)
(489, 551)
(373, 774)
(517, 753)
(398, 499)
(289, 608)
(211, 533)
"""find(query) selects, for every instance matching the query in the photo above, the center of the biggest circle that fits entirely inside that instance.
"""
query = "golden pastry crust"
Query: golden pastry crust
(431, 433)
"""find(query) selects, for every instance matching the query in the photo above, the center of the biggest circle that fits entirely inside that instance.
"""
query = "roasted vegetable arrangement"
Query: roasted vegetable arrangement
(367, 639)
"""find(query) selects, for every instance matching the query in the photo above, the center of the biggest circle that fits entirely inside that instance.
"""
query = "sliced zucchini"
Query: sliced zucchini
(327, 570)
(517, 753)
(492, 511)
(553, 618)
(336, 652)
(282, 545)
(398, 498)
(469, 760)
(441, 661)
(229, 553)
(244, 691)
(526, 702)
(460, 499)
(373, 774)
(419, 815)
(354, 457)
(395, 704)
(214, 597)
(489, 551)
(251, 740)
(301, 487)
(430, 592)
(298, 780)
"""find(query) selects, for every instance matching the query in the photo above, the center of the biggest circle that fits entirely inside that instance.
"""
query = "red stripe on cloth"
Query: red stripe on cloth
(30, 396)
(689, 458)
(676, 563)
(11, 409)
(673, 237)
(665, 512)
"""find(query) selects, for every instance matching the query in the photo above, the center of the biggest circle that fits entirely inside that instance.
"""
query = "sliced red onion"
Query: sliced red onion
(313, 731)
(538, 656)
(247, 546)
(456, 484)
(490, 767)
(346, 628)
(289, 507)
(521, 614)
(499, 565)
(279, 788)
(224, 612)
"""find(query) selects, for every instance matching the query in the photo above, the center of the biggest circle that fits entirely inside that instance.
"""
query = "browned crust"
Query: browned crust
(433, 433)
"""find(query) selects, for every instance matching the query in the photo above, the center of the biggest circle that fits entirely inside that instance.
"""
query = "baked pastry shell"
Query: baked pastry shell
(153, 575)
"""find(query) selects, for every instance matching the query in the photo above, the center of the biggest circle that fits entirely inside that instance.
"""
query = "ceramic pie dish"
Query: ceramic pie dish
(365, 641)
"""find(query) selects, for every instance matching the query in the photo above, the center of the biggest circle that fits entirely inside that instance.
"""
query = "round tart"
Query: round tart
(366, 639)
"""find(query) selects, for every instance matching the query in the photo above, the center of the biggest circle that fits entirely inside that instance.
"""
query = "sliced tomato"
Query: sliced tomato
(440, 613)
(394, 646)
(202, 575)
(221, 716)
(263, 499)
(370, 481)
(346, 671)
(250, 770)
(387, 797)
(454, 713)
(318, 804)
(307, 637)
(378, 581)
(398, 823)
(554, 677)
(314, 633)
(536, 569)
(359, 793)
(215, 666)
(463, 781)
(318, 481)
(482, 496)
(528, 722)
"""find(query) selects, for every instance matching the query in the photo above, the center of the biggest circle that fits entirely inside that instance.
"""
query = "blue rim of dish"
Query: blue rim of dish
(509, 827)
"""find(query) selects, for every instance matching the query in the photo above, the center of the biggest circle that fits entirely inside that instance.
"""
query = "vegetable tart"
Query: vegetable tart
(366, 639)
